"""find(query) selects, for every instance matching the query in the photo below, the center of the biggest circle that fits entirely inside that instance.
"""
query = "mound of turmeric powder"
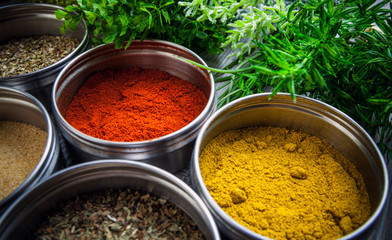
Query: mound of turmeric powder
(285, 184)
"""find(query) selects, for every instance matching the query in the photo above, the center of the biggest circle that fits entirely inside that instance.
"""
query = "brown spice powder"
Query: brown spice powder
(21, 147)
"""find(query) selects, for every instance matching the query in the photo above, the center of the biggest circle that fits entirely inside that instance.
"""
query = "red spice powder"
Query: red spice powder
(134, 104)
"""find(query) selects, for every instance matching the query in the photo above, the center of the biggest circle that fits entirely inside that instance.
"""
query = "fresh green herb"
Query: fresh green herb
(247, 20)
(120, 21)
(339, 52)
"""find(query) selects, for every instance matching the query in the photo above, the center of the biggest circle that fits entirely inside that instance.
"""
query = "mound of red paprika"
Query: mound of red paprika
(134, 104)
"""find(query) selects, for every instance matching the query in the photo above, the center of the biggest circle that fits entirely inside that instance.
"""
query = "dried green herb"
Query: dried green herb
(118, 214)
(29, 54)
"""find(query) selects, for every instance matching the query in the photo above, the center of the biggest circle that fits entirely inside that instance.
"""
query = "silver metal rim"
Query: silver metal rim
(226, 219)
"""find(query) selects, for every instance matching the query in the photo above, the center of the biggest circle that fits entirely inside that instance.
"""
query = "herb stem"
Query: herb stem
(217, 69)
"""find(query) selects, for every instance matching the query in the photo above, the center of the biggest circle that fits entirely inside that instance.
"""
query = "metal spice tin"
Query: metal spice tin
(311, 116)
(20, 106)
(27, 20)
(171, 152)
(23, 217)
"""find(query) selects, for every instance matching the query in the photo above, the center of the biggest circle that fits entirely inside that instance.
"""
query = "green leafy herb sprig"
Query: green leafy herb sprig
(338, 52)
(246, 19)
(119, 21)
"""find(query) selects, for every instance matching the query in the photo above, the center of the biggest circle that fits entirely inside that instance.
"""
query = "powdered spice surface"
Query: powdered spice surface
(21, 148)
(134, 104)
(285, 183)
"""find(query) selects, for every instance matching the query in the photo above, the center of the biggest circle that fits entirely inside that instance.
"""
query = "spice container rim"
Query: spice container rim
(91, 170)
(49, 139)
(205, 114)
(43, 109)
(232, 107)
(51, 150)
(64, 60)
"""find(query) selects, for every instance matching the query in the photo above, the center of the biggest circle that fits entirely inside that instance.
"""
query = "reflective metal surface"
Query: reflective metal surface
(22, 219)
(22, 107)
(171, 152)
(313, 117)
(26, 20)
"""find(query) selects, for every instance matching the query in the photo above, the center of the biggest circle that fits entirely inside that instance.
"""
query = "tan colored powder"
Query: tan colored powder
(21, 147)
(284, 184)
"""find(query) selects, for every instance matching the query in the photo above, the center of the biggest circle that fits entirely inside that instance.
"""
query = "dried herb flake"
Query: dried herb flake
(29, 54)
(118, 214)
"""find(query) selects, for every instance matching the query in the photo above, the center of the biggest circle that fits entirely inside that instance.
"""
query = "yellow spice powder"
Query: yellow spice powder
(284, 184)
(21, 147)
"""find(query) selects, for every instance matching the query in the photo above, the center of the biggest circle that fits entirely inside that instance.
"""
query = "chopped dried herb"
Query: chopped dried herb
(118, 214)
(29, 54)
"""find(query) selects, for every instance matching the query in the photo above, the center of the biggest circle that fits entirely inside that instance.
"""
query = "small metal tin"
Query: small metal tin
(171, 152)
(23, 217)
(33, 19)
(311, 116)
(20, 106)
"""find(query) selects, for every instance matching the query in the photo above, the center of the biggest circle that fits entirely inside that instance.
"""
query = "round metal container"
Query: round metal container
(311, 116)
(27, 20)
(19, 106)
(171, 152)
(23, 217)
